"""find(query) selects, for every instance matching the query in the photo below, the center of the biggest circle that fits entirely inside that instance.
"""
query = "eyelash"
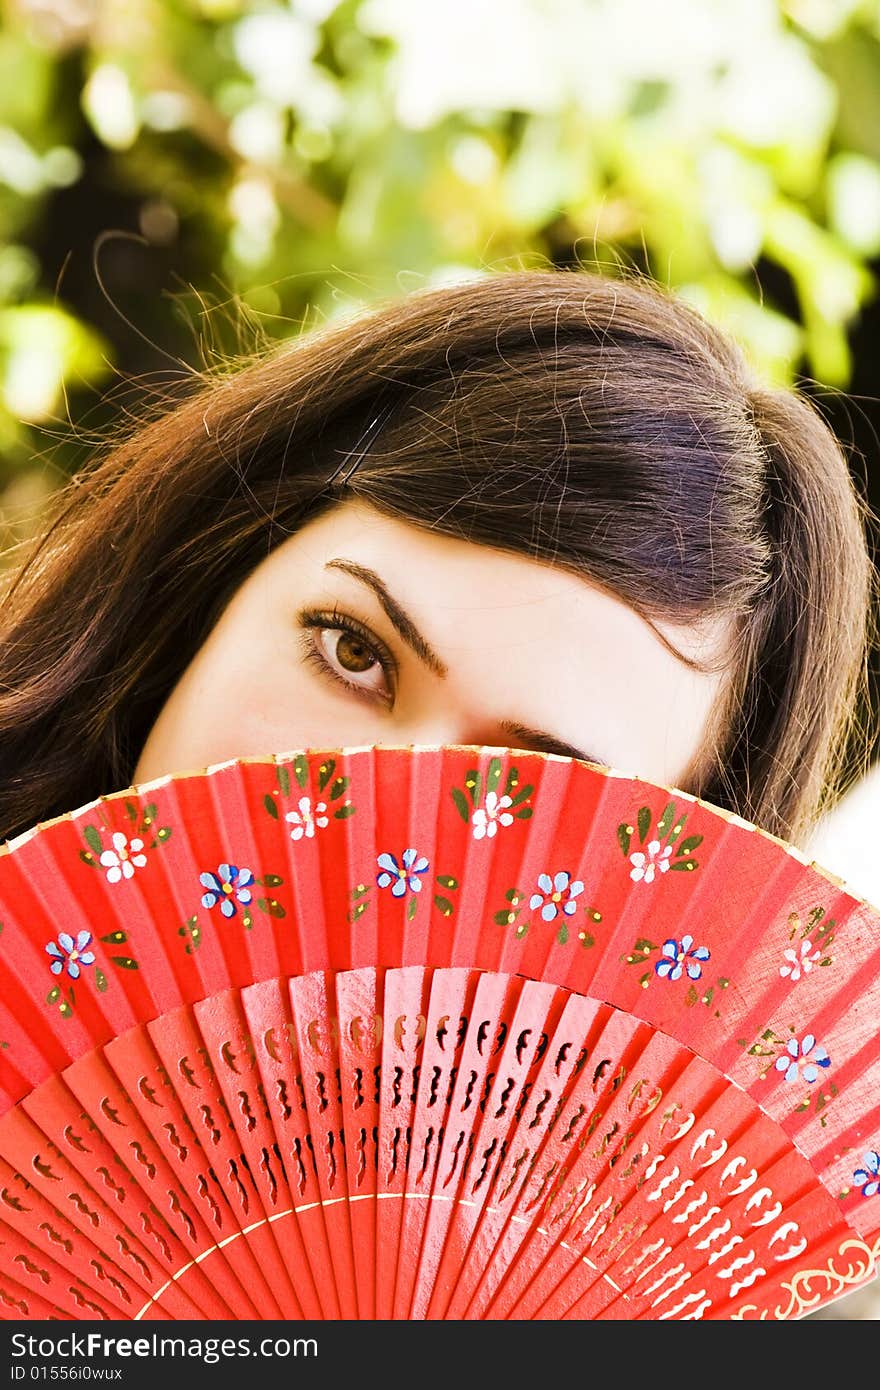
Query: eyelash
(334, 620)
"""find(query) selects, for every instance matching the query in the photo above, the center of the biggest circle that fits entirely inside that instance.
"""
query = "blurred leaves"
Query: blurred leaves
(298, 160)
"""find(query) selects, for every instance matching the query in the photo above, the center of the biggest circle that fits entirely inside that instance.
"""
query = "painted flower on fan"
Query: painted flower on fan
(645, 866)
(868, 1178)
(799, 962)
(557, 895)
(403, 875)
(487, 818)
(229, 882)
(125, 856)
(304, 819)
(802, 1059)
(70, 953)
(681, 956)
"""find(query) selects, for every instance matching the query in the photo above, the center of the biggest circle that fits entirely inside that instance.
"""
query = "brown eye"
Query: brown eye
(348, 652)
(352, 660)
(353, 654)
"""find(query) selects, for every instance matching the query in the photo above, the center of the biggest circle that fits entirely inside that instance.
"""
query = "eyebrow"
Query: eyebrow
(533, 739)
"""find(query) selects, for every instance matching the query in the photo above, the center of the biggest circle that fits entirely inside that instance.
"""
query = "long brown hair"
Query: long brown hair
(594, 423)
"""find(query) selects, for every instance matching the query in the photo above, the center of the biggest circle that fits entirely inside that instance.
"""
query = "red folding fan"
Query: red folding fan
(430, 1033)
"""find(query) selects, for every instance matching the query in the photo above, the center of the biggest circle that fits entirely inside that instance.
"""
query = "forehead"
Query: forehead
(403, 550)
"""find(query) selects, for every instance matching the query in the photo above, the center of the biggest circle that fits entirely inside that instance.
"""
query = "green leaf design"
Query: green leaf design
(665, 821)
(125, 962)
(325, 773)
(493, 774)
(504, 918)
(150, 813)
(192, 930)
(586, 940)
(93, 839)
(677, 829)
(562, 935)
(164, 834)
(823, 933)
(512, 781)
(688, 865)
(640, 952)
(54, 995)
(301, 771)
(344, 812)
(411, 908)
(115, 938)
(100, 980)
(447, 881)
(473, 782)
(88, 858)
(461, 805)
(524, 813)
(269, 803)
(624, 834)
(644, 822)
(131, 810)
(283, 780)
(361, 907)
(271, 906)
(338, 787)
(271, 880)
(689, 844)
(443, 905)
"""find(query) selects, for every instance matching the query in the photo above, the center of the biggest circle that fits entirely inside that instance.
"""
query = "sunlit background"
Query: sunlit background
(183, 180)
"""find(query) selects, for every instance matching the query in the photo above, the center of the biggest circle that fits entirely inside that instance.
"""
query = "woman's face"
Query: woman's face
(362, 630)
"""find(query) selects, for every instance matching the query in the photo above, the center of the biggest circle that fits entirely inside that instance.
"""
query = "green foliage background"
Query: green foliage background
(181, 179)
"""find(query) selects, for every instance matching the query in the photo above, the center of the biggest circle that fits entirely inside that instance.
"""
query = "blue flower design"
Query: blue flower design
(228, 882)
(71, 953)
(679, 956)
(868, 1178)
(403, 875)
(794, 1061)
(553, 891)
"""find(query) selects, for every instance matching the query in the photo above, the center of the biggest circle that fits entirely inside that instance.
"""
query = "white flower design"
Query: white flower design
(486, 819)
(122, 860)
(645, 865)
(799, 963)
(304, 820)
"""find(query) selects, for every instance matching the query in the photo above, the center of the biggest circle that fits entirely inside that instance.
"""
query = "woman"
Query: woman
(542, 510)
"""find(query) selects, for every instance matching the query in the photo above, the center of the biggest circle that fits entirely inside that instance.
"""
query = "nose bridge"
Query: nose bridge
(447, 725)
(429, 732)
